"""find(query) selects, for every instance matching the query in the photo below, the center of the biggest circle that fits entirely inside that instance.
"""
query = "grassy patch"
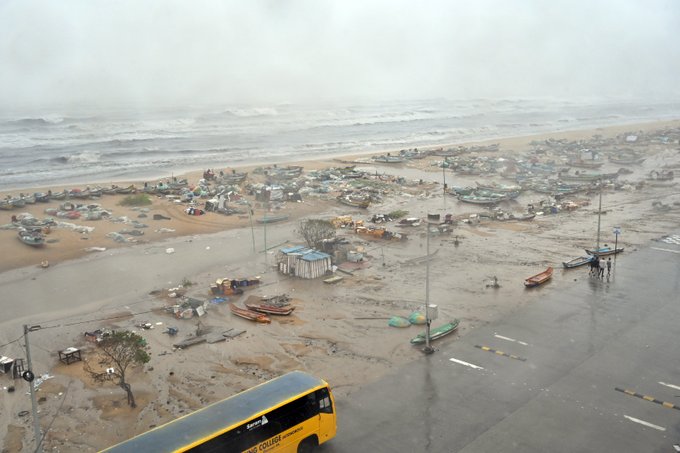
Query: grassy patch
(398, 214)
(140, 199)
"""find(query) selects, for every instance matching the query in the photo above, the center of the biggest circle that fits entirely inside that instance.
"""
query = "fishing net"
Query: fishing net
(398, 321)
(417, 318)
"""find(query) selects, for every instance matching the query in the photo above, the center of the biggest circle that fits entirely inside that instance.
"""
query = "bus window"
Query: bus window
(324, 400)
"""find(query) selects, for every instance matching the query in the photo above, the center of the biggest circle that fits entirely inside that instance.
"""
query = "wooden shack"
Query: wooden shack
(303, 262)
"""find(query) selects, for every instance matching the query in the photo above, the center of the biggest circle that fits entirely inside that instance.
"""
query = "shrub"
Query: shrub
(140, 199)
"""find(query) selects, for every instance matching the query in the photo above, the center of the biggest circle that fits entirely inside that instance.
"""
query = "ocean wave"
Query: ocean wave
(34, 122)
(86, 157)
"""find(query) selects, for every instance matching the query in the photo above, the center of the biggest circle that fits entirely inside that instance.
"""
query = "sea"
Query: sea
(94, 145)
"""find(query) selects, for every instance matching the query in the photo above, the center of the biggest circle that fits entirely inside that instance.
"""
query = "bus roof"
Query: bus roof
(204, 422)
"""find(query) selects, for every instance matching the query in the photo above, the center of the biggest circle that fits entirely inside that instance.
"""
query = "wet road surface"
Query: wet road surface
(593, 368)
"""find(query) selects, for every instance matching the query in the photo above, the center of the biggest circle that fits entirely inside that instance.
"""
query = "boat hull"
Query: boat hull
(270, 309)
(437, 332)
(539, 279)
(577, 262)
(604, 251)
(249, 314)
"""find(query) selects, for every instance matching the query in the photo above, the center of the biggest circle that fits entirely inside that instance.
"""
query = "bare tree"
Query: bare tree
(313, 231)
(119, 351)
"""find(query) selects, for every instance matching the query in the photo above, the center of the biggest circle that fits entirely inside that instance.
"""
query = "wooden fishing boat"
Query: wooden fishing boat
(272, 219)
(631, 159)
(126, 190)
(357, 202)
(604, 251)
(539, 279)
(498, 188)
(249, 314)
(233, 178)
(33, 238)
(474, 199)
(269, 309)
(576, 262)
(387, 159)
(41, 197)
(437, 332)
(585, 163)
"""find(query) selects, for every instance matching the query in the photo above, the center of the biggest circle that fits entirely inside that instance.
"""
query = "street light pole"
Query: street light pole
(428, 349)
(444, 178)
(30, 378)
(252, 230)
(599, 217)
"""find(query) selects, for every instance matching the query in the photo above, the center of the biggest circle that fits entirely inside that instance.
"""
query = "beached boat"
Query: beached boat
(41, 197)
(585, 163)
(456, 190)
(233, 178)
(539, 279)
(249, 314)
(475, 199)
(387, 159)
(520, 218)
(604, 251)
(269, 309)
(409, 222)
(437, 332)
(272, 219)
(33, 238)
(626, 159)
(126, 190)
(498, 188)
(354, 201)
(576, 262)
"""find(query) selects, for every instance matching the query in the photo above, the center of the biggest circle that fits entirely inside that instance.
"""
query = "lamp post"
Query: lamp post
(617, 231)
(252, 231)
(427, 349)
(29, 376)
(444, 179)
(599, 218)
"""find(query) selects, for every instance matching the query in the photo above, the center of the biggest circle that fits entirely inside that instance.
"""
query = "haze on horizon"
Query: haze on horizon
(174, 53)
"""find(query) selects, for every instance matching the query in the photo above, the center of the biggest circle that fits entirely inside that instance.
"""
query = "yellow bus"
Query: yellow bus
(292, 413)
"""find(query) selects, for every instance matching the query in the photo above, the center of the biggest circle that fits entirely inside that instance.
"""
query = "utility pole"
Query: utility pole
(428, 349)
(30, 376)
(252, 230)
(599, 217)
(264, 219)
(444, 178)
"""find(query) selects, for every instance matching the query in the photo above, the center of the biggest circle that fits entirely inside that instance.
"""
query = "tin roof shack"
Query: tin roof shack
(303, 262)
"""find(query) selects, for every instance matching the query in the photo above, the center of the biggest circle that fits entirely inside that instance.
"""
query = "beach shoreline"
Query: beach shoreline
(520, 141)
(338, 332)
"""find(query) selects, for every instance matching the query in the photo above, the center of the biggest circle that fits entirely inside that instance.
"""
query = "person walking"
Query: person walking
(609, 267)
(603, 263)
(594, 266)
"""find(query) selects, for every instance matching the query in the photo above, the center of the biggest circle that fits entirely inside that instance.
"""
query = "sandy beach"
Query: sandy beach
(82, 280)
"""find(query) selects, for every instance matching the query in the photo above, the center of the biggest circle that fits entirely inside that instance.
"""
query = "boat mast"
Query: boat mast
(599, 218)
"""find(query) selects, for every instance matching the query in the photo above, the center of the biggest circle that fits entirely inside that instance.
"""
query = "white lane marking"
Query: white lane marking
(642, 422)
(510, 339)
(677, 447)
(670, 385)
(665, 250)
(466, 364)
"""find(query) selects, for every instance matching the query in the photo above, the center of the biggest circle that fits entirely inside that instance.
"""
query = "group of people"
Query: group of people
(598, 266)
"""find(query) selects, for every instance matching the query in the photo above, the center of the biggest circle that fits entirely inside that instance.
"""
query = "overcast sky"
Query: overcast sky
(264, 52)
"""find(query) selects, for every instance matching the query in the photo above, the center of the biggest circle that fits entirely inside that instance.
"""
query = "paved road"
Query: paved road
(587, 362)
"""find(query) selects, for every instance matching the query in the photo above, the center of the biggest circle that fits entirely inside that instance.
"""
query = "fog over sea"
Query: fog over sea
(92, 146)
